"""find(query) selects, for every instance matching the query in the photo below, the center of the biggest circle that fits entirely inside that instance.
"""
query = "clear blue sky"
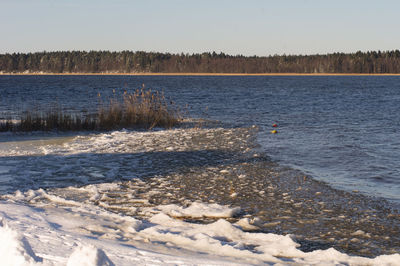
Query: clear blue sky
(251, 27)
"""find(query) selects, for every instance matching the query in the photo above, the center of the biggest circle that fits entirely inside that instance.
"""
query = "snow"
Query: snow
(15, 249)
(85, 235)
(88, 256)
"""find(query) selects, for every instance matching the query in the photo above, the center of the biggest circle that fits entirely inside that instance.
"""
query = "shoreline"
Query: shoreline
(232, 183)
(199, 74)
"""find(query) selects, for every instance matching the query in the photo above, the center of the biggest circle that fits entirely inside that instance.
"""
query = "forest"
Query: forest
(378, 62)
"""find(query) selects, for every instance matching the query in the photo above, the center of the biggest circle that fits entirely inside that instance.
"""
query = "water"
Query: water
(342, 130)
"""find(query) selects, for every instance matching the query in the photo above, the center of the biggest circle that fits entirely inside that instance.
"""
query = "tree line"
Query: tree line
(145, 62)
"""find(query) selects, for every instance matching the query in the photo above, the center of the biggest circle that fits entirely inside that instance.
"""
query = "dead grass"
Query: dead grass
(143, 108)
(140, 109)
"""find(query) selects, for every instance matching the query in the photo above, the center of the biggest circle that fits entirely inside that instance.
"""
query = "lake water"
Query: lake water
(342, 130)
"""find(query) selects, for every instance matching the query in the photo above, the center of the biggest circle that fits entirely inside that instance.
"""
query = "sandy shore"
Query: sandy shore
(200, 74)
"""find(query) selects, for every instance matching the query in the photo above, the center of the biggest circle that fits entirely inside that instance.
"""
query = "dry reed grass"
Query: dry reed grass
(143, 108)
(140, 109)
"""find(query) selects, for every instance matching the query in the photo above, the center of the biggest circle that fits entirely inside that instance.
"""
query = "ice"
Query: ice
(361, 233)
(246, 224)
(87, 224)
(199, 210)
(220, 238)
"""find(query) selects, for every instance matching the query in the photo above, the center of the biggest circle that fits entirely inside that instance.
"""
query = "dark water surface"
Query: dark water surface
(342, 130)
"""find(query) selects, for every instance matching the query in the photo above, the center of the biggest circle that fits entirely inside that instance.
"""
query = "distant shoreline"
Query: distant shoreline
(199, 74)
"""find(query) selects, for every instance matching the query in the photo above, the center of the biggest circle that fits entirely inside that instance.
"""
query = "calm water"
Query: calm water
(343, 130)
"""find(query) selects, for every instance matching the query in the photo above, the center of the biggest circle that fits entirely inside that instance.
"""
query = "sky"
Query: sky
(251, 27)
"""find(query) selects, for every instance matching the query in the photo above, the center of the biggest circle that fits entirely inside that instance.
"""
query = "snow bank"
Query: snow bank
(89, 256)
(86, 235)
(14, 248)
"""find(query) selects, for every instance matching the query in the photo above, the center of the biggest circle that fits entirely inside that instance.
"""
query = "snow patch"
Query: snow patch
(89, 256)
(14, 248)
(125, 239)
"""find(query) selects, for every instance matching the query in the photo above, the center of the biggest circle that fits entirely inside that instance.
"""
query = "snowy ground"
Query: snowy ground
(85, 235)
(92, 225)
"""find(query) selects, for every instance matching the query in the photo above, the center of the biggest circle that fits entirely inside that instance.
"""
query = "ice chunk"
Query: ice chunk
(199, 210)
(246, 225)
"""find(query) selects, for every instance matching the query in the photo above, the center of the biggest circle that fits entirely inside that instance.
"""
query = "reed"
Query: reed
(141, 109)
(6, 125)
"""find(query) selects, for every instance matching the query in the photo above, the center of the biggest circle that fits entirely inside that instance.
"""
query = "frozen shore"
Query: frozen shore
(83, 235)
(182, 196)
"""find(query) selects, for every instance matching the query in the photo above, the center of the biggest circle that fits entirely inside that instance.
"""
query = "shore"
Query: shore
(205, 195)
(198, 74)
